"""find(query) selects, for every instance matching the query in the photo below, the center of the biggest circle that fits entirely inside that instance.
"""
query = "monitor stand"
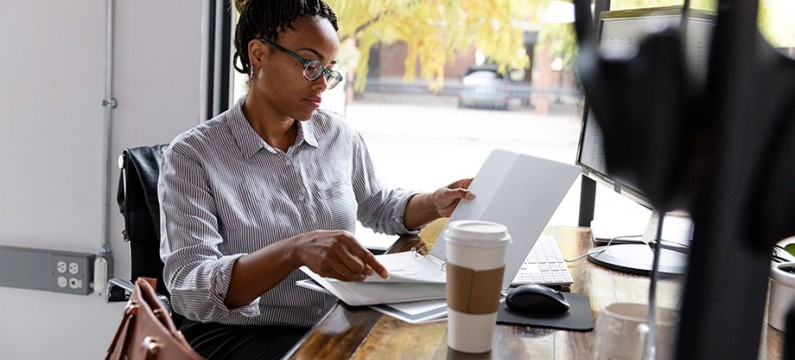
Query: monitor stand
(638, 258)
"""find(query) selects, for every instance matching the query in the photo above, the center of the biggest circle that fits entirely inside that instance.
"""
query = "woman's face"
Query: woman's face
(279, 80)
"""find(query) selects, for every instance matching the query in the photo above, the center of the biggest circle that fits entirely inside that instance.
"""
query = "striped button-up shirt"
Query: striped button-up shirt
(224, 192)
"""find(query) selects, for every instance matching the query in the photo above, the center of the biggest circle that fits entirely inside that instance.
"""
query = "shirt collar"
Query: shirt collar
(249, 142)
(306, 131)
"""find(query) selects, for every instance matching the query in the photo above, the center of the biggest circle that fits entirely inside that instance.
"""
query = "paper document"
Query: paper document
(410, 266)
(414, 312)
(519, 191)
(373, 293)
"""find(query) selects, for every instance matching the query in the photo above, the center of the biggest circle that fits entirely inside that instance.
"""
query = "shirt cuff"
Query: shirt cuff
(219, 286)
(400, 215)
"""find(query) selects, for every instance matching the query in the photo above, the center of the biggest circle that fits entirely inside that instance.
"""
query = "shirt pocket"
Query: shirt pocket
(338, 202)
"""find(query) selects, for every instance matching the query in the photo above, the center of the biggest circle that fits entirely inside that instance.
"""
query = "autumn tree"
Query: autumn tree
(434, 30)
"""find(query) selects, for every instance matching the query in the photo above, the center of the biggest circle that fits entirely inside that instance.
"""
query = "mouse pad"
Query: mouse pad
(579, 317)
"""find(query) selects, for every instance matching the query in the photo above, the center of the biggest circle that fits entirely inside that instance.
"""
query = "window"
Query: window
(423, 136)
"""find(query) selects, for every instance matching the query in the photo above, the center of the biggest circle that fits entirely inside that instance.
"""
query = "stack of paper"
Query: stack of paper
(412, 277)
(414, 292)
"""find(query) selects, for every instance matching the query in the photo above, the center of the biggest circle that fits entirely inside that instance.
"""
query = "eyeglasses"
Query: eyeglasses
(313, 69)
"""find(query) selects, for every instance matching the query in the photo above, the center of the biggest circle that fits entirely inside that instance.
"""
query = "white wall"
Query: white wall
(52, 67)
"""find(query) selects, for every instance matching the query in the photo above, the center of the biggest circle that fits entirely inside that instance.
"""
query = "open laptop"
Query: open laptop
(516, 190)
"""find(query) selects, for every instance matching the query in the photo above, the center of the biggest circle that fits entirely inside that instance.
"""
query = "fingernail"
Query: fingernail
(470, 196)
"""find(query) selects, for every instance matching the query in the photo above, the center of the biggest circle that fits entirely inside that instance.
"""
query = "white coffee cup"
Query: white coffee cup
(782, 294)
(475, 266)
(621, 331)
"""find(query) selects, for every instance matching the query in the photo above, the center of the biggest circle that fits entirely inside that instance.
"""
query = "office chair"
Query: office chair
(138, 203)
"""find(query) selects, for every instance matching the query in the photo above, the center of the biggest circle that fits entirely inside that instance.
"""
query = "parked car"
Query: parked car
(484, 87)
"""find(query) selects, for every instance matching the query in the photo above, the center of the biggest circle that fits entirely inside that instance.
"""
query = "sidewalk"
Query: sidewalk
(567, 106)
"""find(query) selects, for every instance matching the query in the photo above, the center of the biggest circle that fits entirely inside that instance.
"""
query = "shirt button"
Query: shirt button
(300, 198)
(288, 163)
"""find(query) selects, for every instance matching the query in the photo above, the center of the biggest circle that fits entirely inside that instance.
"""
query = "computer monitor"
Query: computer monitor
(622, 251)
(619, 34)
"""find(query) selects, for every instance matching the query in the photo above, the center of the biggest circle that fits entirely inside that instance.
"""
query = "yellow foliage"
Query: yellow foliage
(434, 30)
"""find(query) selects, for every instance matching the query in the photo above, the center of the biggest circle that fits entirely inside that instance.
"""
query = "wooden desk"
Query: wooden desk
(360, 333)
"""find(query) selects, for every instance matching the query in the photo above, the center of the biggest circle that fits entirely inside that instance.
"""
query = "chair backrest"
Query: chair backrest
(138, 203)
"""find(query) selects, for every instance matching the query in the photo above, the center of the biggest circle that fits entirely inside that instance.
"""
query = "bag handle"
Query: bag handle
(146, 288)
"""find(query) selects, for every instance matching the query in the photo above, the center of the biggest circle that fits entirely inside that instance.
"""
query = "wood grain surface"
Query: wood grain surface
(362, 333)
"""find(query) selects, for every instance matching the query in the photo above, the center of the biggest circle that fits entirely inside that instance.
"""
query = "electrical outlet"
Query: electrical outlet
(61, 266)
(79, 274)
(51, 270)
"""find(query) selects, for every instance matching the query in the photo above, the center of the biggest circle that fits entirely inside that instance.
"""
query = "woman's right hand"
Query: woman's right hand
(337, 254)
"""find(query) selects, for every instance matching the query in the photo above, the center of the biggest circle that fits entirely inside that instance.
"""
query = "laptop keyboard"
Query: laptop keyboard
(544, 265)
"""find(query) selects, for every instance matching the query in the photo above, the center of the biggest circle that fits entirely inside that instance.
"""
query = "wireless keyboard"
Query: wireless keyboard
(544, 265)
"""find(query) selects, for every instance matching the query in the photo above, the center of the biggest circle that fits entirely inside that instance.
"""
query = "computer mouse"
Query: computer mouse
(535, 299)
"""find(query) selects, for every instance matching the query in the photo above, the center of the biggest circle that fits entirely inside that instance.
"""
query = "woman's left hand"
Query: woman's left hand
(445, 199)
(426, 207)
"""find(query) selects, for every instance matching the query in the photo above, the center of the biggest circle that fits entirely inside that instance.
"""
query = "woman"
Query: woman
(271, 185)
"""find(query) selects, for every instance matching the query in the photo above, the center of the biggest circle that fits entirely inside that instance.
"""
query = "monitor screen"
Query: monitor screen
(591, 157)
(619, 35)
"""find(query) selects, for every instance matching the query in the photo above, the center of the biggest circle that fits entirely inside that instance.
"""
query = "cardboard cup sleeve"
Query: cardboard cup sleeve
(473, 292)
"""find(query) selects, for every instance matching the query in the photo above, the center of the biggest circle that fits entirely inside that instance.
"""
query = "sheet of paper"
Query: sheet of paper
(519, 191)
(415, 312)
(410, 267)
(312, 285)
(361, 293)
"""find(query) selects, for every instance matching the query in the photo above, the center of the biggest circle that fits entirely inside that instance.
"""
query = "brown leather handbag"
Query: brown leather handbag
(147, 331)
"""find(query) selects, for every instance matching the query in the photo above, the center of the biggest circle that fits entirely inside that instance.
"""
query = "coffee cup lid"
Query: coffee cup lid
(477, 232)
(784, 273)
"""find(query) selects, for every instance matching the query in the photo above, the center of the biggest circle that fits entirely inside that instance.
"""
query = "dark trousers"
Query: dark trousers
(228, 342)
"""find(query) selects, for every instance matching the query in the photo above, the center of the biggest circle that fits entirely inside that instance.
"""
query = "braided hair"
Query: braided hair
(267, 18)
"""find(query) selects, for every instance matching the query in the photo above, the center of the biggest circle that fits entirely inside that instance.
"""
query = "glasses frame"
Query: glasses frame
(326, 74)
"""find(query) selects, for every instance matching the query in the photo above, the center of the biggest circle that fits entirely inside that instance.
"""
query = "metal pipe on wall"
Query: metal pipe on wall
(204, 76)
(217, 56)
(103, 265)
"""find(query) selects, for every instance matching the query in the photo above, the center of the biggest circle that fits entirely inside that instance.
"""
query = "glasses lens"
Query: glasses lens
(332, 79)
(313, 70)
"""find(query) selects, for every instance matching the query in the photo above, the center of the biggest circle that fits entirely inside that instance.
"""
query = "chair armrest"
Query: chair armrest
(121, 289)
(118, 290)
